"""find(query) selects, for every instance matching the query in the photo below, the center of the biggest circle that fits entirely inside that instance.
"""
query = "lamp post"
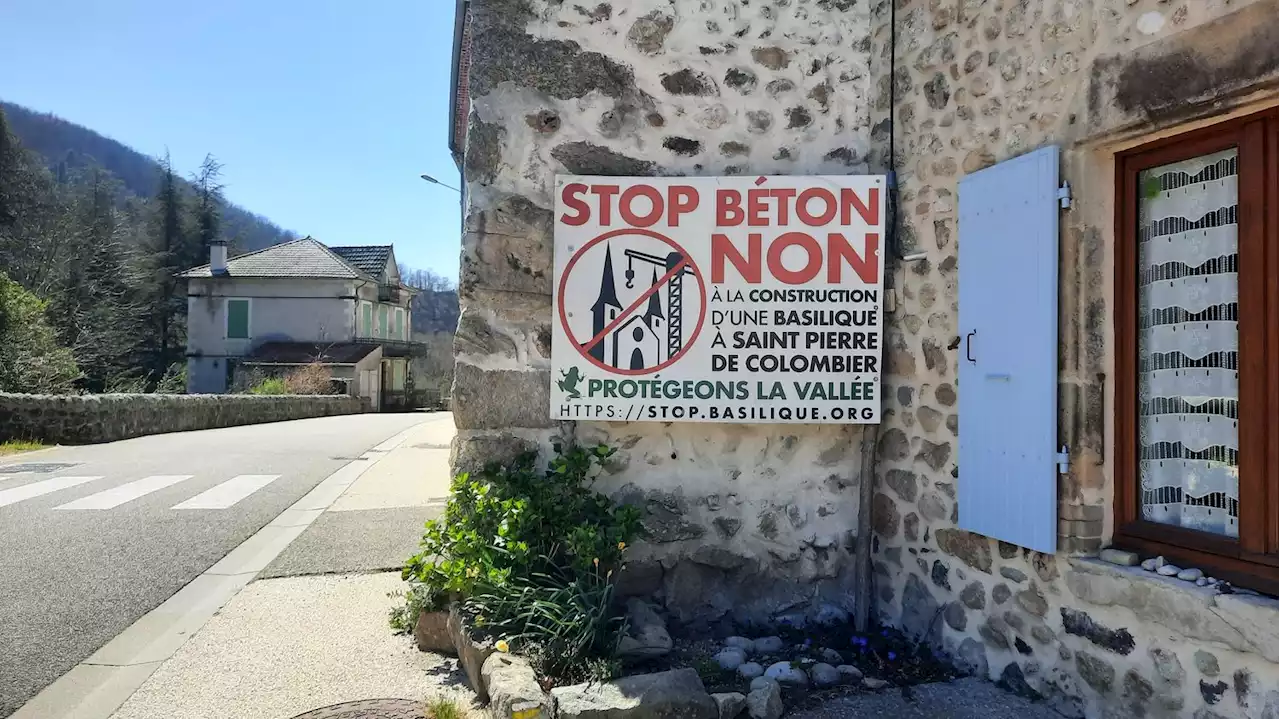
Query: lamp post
(434, 181)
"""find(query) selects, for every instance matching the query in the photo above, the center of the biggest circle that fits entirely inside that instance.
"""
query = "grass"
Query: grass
(15, 446)
(442, 707)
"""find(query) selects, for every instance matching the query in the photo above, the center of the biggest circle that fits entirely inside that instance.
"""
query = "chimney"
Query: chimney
(218, 257)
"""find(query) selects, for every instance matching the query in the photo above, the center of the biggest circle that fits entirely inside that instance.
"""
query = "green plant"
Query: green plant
(533, 555)
(442, 707)
(420, 598)
(270, 385)
(14, 446)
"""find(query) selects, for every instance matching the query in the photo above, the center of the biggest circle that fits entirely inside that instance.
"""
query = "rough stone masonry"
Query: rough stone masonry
(745, 522)
(756, 523)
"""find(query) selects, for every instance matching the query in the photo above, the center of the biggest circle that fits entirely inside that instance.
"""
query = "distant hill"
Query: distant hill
(435, 311)
(60, 141)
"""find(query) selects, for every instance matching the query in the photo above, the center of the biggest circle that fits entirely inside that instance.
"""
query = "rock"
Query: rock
(743, 643)
(1012, 680)
(1095, 672)
(874, 684)
(639, 579)
(767, 645)
(903, 483)
(729, 704)
(1207, 663)
(513, 688)
(918, 609)
(765, 702)
(730, 659)
(787, 675)
(472, 651)
(1202, 582)
(849, 673)
(688, 82)
(750, 670)
(1012, 574)
(1001, 593)
(824, 675)
(955, 617)
(1042, 634)
(973, 549)
(762, 681)
(1118, 556)
(1191, 574)
(1168, 667)
(994, 631)
(884, 515)
(972, 657)
(675, 693)
(1153, 564)
(774, 58)
(1167, 570)
(830, 655)
(1079, 623)
(649, 32)
(1033, 601)
(647, 635)
(974, 596)
(431, 632)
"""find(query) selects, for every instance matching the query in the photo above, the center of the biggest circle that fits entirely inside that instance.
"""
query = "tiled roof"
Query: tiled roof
(308, 352)
(370, 259)
(301, 258)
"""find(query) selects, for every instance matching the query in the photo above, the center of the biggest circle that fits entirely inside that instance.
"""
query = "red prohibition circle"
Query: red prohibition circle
(697, 274)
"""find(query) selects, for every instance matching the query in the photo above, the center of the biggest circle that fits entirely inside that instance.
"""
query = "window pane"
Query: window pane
(1187, 344)
(238, 319)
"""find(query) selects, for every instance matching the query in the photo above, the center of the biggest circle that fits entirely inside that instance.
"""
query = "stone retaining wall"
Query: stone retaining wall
(89, 419)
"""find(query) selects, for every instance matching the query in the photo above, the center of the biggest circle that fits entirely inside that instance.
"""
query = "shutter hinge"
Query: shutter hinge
(1064, 195)
(1063, 460)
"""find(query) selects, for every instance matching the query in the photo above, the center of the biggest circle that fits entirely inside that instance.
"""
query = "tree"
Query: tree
(170, 253)
(31, 360)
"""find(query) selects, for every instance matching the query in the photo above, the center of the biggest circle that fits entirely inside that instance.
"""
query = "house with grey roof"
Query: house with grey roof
(299, 303)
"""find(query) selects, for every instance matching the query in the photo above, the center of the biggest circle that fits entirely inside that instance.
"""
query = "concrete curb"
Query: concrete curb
(99, 685)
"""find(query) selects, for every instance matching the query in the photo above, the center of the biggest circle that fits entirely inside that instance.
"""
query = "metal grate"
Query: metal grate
(369, 709)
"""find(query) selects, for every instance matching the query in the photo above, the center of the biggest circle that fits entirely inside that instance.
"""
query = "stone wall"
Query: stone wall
(753, 522)
(978, 82)
(89, 419)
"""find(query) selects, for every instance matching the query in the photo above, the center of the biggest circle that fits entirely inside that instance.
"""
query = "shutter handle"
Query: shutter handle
(968, 347)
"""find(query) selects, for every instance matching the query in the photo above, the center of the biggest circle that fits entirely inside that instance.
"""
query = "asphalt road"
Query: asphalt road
(83, 561)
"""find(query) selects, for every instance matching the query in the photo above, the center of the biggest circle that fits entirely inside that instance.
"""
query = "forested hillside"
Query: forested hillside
(88, 265)
(68, 148)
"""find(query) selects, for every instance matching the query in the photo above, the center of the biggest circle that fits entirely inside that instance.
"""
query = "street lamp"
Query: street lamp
(434, 181)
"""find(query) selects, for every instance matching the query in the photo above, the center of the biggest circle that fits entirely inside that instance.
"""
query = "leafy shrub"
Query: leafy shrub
(314, 378)
(533, 556)
(270, 385)
(420, 598)
(31, 360)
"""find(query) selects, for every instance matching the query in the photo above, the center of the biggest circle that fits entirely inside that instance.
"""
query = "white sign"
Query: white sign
(718, 299)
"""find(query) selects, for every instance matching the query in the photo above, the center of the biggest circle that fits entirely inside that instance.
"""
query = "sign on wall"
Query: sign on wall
(718, 299)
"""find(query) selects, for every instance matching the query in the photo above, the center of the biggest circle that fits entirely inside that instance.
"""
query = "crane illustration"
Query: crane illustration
(675, 291)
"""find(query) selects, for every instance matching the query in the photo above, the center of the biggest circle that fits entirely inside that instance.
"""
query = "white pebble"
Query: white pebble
(1190, 574)
(1202, 582)
(873, 684)
(1149, 564)
(1167, 570)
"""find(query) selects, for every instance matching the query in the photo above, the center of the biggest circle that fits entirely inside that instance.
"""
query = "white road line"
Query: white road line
(36, 489)
(229, 492)
(116, 496)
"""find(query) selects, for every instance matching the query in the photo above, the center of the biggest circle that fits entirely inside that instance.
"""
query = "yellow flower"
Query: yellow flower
(502, 646)
(622, 546)
(596, 562)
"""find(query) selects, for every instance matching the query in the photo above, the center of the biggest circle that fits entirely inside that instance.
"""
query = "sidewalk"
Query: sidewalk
(291, 642)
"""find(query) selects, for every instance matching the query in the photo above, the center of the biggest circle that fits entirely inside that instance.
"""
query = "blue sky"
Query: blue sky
(323, 113)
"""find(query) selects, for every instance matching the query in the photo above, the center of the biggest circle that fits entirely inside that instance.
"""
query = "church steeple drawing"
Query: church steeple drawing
(605, 310)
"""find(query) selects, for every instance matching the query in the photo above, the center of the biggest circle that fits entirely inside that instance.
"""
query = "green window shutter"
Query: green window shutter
(238, 319)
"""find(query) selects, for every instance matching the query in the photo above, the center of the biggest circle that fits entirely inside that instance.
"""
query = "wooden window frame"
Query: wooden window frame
(1249, 561)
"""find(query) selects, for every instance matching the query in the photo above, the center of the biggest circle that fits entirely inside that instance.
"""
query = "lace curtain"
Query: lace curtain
(1188, 344)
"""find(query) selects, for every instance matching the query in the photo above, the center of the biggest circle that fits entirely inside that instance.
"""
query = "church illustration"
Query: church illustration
(639, 340)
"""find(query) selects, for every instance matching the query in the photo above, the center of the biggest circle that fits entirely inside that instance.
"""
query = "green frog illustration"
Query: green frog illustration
(570, 382)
